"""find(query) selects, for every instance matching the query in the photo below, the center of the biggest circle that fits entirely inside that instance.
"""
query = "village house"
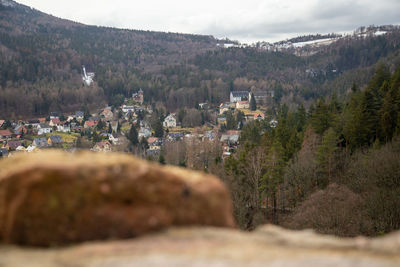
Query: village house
(169, 121)
(221, 120)
(12, 145)
(44, 128)
(138, 97)
(90, 124)
(79, 115)
(175, 136)
(40, 142)
(102, 146)
(236, 96)
(144, 132)
(5, 134)
(224, 107)
(3, 152)
(42, 120)
(54, 122)
(31, 148)
(154, 143)
(55, 140)
(242, 104)
(259, 116)
(116, 138)
(20, 129)
(1, 123)
(126, 108)
(33, 123)
(107, 114)
(64, 128)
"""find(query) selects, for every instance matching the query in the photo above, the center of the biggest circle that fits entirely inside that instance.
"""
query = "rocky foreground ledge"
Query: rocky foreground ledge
(215, 247)
(53, 199)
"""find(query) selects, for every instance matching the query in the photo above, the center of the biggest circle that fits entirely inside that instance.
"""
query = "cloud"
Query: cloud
(250, 20)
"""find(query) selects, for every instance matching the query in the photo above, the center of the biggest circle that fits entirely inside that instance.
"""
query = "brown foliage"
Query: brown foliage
(335, 210)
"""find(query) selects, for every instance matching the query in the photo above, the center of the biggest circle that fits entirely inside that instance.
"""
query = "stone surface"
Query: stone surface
(55, 198)
(208, 246)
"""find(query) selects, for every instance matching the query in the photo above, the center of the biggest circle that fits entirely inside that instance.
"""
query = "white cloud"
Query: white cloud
(249, 20)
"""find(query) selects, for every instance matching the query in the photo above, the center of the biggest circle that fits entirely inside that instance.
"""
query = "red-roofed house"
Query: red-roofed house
(54, 122)
(20, 129)
(5, 134)
(42, 120)
(154, 143)
(259, 116)
(103, 146)
(90, 124)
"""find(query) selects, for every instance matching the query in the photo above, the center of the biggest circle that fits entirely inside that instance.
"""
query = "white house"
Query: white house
(144, 132)
(115, 138)
(169, 121)
(126, 108)
(63, 128)
(44, 128)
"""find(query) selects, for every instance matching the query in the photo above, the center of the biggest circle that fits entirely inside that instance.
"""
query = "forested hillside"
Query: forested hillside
(334, 169)
(41, 58)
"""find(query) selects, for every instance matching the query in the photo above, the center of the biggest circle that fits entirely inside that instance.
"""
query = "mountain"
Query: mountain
(41, 60)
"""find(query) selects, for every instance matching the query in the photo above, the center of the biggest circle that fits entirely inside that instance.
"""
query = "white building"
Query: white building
(144, 132)
(63, 128)
(44, 128)
(169, 121)
(237, 96)
(126, 108)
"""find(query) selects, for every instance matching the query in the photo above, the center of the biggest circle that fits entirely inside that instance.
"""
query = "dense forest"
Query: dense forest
(41, 58)
(333, 168)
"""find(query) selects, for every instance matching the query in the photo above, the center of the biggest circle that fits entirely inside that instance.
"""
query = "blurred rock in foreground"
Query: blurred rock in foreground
(207, 246)
(55, 198)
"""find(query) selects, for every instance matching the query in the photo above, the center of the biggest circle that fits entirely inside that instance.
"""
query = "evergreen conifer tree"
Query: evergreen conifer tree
(253, 104)
(133, 135)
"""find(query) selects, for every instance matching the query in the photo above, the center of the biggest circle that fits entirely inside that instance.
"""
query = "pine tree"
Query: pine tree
(133, 135)
(326, 153)
(321, 118)
(158, 129)
(273, 176)
(253, 104)
(388, 115)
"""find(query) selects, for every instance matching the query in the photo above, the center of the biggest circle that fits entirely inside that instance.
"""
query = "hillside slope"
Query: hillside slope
(41, 60)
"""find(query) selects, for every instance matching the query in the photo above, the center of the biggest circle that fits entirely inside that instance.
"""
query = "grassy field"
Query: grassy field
(67, 137)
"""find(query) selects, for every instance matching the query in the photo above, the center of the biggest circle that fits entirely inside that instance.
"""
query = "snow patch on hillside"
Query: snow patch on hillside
(8, 3)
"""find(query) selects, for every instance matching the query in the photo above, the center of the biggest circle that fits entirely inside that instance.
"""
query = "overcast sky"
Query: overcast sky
(244, 20)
